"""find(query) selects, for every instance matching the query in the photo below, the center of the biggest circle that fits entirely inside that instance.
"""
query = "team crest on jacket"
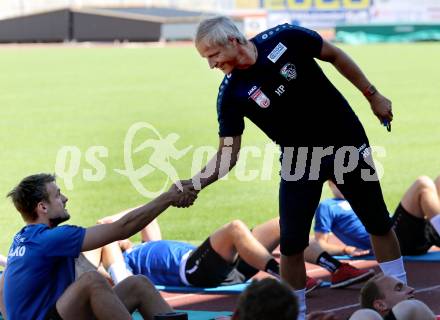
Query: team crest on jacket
(288, 71)
(260, 98)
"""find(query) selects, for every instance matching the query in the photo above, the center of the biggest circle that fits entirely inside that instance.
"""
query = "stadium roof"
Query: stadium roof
(159, 12)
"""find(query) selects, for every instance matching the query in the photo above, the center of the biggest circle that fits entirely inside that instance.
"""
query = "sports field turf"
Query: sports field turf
(83, 97)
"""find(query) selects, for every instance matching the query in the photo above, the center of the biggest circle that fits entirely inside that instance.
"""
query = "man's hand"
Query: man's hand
(381, 107)
(355, 252)
(183, 198)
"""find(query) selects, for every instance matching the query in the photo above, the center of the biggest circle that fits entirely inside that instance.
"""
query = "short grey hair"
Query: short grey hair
(218, 30)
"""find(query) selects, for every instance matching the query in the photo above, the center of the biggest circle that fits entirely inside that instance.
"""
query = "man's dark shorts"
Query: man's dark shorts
(206, 268)
(299, 199)
(53, 314)
(416, 235)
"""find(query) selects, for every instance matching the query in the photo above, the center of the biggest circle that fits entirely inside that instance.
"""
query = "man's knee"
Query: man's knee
(237, 227)
(412, 309)
(366, 314)
(138, 284)
(424, 183)
(140, 280)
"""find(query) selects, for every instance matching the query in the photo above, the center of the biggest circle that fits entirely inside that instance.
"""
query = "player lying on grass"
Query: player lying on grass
(39, 280)
(416, 221)
(391, 299)
(232, 254)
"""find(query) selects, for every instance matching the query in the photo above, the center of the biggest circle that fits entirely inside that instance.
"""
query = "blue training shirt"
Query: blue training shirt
(337, 216)
(40, 267)
(159, 260)
(286, 94)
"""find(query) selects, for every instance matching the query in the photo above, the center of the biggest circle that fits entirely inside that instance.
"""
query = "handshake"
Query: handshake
(183, 194)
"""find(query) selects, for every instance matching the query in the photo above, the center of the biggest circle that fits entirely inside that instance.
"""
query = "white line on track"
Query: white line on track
(427, 289)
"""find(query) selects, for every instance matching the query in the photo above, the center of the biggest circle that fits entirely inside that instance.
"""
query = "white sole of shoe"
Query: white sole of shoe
(318, 284)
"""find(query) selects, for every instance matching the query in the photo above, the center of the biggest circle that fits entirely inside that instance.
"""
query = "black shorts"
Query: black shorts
(416, 235)
(299, 199)
(53, 314)
(206, 268)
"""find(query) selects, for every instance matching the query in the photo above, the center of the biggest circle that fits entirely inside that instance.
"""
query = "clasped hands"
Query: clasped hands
(184, 194)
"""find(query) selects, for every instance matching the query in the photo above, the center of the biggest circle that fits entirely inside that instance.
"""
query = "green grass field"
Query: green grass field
(83, 97)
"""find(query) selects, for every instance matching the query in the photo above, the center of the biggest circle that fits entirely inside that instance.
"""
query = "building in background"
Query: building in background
(344, 20)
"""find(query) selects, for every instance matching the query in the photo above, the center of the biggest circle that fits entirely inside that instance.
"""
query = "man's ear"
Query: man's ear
(41, 207)
(380, 305)
(232, 40)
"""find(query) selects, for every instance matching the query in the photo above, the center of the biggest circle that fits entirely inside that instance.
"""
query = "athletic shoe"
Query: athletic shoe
(346, 275)
(311, 284)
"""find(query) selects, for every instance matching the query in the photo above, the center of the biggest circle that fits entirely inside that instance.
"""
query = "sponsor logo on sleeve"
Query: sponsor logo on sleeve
(260, 98)
(277, 52)
(252, 90)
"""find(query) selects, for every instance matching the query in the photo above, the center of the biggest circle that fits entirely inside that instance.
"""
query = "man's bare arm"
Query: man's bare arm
(223, 162)
(117, 216)
(102, 234)
(337, 249)
(380, 105)
(151, 232)
(333, 249)
(2, 305)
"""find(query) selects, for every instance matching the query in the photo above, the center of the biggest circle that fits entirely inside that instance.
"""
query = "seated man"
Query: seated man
(39, 279)
(416, 221)
(392, 299)
(232, 254)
